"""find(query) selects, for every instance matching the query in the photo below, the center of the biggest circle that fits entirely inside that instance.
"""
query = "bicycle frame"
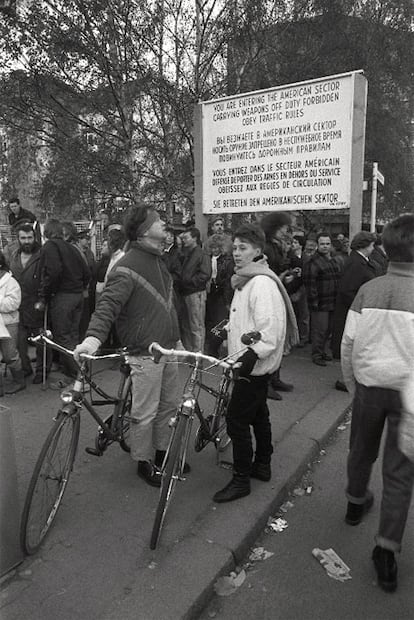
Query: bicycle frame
(79, 400)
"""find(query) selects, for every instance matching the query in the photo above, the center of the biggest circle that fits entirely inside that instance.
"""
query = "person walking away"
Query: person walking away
(260, 303)
(192, 284)
(10, 298)
(219, 291)
(25, 267)
(321, 275)
(276, 227)
(377, 361)
(138, 297)
(65, 276)
(357, 271)
(297, 291)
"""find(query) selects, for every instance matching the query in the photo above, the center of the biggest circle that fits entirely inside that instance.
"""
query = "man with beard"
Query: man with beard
(25, 267)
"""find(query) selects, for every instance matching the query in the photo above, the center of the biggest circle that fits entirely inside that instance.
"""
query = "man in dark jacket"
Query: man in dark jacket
(378, 258)
(65, 276)
(321, 276)
(357, 271)
(18, 215)
(192, 284)
(275, 227)
(139, 298)
(25, 267)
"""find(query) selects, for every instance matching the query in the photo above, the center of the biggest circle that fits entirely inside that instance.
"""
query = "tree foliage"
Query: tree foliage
(109, 85)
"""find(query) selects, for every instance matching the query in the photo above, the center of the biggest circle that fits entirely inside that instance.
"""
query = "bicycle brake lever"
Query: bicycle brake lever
(156, 355)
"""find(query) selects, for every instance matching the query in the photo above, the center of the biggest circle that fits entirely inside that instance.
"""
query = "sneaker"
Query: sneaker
(261, 471)
(327, 357)
(37, 379)
(356, 512)
(239, 486)
(386, 567)
(319, 361)
(150, 473)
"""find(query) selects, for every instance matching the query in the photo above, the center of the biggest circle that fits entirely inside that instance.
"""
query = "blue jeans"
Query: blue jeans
(371, 407)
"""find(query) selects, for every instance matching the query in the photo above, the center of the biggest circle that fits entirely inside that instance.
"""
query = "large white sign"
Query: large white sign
(285, 148)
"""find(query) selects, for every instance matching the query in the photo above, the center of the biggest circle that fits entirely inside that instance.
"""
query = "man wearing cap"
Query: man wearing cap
(138, 297)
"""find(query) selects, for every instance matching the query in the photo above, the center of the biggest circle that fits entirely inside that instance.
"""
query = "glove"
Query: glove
(248, 360)
(219, 330)
(88, 346)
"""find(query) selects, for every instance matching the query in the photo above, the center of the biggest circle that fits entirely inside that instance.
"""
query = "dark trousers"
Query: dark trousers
(23, 346)
(371, 407)
(321, 324)
(65, 311)
(247, 408)
(300, 307)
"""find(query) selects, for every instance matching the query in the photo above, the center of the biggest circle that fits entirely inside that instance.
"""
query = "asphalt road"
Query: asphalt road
(291, 585)
(96, 558)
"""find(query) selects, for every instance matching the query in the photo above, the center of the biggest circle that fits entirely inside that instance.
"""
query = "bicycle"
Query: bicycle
(212, 429)
(55, 462)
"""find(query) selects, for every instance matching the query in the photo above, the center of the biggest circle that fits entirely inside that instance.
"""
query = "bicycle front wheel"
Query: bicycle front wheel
(222, 438)
(170, 476)
(49, 481)
(126, 416)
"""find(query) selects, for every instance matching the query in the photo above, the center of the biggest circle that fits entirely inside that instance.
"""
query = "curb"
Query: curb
(221, 538)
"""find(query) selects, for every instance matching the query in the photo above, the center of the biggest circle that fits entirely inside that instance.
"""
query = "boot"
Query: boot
(386, 567)
(277, 383)
(272, 394)
(356, 512)
(19, 382)
(159, 459)
(239, 486)
(261, 471)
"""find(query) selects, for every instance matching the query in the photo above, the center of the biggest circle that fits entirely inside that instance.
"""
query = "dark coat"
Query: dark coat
(357, 271)
(29, 279)
(379, 261)
(138, 297)
(276, 258)
(63, 269)
(195, 271)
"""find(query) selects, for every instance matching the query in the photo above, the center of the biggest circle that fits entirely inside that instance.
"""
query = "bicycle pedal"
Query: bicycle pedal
(94, 451)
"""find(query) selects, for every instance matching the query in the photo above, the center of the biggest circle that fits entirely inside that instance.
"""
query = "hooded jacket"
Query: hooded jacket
(10, 298)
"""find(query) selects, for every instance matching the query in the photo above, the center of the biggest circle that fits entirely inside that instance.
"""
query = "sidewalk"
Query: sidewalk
(96, 562)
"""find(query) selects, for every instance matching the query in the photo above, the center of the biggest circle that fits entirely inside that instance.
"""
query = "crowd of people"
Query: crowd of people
(154, 285)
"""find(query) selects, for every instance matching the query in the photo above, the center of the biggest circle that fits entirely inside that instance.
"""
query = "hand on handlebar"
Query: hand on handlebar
(88, 347)
(247, 360)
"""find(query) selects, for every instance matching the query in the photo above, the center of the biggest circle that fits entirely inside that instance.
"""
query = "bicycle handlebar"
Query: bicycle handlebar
(157, 351)
(43, 338)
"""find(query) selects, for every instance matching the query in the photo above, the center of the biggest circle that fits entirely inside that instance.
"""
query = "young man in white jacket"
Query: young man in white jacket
(261, 304)
(377, 360)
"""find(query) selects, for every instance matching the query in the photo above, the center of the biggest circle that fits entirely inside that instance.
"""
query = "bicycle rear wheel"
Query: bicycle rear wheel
(49, 481)
(170, 476)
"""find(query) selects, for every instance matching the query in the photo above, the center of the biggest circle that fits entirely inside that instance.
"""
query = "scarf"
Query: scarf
(261, 268)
